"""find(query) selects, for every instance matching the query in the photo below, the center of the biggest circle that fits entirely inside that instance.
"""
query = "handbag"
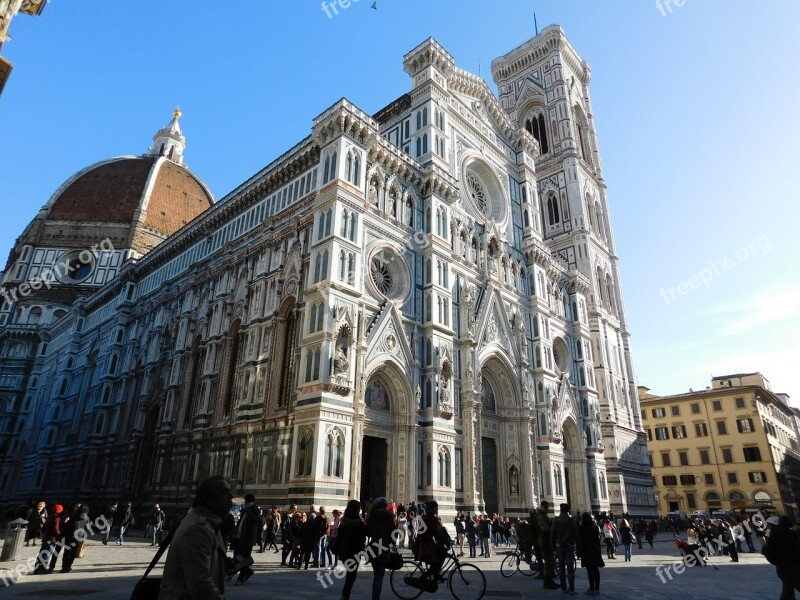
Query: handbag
(395, 559)
(148, 589)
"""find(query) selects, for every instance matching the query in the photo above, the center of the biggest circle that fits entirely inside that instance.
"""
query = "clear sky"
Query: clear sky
(696, 108)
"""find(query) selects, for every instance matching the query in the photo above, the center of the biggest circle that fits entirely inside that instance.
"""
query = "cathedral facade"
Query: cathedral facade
(423, 303)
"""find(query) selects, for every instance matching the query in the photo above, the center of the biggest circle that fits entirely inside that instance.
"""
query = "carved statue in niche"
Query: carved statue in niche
(513, 481)
(418, 397)
(341, 364)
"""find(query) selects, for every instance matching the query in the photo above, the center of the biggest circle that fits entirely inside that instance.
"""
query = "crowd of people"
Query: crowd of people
(318, 540)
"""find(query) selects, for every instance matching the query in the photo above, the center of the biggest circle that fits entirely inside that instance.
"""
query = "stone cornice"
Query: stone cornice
(551, 39)
(428, 53)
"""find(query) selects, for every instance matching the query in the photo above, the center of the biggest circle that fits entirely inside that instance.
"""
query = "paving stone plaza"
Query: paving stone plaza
(110, 573)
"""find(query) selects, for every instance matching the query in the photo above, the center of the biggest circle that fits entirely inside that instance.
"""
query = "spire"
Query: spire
(169, 140)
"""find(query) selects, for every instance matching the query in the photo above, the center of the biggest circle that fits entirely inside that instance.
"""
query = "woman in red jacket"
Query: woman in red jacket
(51, 533)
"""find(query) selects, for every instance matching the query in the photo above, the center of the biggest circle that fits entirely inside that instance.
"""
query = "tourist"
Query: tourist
(110, 516)
(402, 529)
(484, 533)
(337, 519)
(36, 519)
(246, 537)
(471, 529)
(610, 534)
(196, 561)
(323, 526)
(74, 532)
(782, 549)
(461, 531)
(351, 536)
(565, 539)
(380, 525)
(590, 554)
(543, 528)
(51, 533)
(157, 518)
(626, 537)
(125, 521)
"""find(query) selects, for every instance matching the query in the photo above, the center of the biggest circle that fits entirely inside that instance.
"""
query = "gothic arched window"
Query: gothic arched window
(552, 210)
(334, 454)
(536, 127)
(305, 454)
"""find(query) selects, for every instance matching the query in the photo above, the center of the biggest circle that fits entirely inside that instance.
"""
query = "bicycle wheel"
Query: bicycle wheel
(509, 565)
(398, 581)
(467, 582)
(529, 569)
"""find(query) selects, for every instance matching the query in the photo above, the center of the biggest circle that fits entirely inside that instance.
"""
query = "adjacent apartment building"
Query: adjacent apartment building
(733, 446)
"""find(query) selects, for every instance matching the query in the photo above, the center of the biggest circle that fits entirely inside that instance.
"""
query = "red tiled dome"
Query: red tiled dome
(114, 192)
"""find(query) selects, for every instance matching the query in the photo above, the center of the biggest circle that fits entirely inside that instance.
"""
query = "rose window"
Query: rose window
(389, 275)
(381, 276)
(475, 191)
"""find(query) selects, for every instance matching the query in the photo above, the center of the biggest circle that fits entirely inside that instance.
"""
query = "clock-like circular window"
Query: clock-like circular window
(389, 274)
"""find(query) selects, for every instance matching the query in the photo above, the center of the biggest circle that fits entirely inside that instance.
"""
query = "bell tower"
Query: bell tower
(543, 86)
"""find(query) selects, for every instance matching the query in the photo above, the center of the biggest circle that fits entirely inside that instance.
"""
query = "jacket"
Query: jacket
(564, 532)
(196, 561)
(247, 528)
(351, 536)
(590, 552)
(543, 525)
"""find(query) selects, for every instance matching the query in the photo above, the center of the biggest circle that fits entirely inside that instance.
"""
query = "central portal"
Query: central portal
(374, 466)
(489, 456)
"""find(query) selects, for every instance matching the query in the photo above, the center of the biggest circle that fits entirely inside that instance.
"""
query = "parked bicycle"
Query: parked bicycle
(464, 580)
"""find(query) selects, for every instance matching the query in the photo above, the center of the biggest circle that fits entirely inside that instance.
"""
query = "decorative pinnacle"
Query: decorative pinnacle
(177, 112)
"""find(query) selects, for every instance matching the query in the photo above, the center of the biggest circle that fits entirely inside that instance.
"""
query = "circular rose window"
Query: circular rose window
(389, 274)
(483, 192)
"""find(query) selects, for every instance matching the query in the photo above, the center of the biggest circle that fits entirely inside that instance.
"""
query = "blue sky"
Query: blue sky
(695, 109)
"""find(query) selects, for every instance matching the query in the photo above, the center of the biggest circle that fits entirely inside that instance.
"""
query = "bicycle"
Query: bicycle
(464, 580)
(519, 560)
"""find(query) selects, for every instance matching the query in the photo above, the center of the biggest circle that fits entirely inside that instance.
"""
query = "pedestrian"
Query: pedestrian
(380, 525)
(782, 549)
(323, 525)
(543, 529)
(75, 532)
(246, 537)
(638, 531)
(350, 539)
(51, 534)
(271, 528)
(626, 537)
(196, 562)
(36, 518)
(610, 536)
(402, 528)
(650, 533)
(461, 531)
(309, 541)
(484, 533)
(111, 518)
(157, 518)
(332, 544)
(125, 522)
(590, 554)
(471, 528)
(565, 539)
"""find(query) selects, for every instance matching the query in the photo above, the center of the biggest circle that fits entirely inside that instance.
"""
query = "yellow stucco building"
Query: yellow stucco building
(730, 447)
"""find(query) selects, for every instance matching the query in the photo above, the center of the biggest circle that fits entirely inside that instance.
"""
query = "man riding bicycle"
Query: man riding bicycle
(435, 542)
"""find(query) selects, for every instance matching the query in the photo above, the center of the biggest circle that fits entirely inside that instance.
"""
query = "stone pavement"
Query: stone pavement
(110, 573)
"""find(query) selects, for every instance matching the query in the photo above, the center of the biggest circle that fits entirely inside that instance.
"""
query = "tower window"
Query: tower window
(536, 127)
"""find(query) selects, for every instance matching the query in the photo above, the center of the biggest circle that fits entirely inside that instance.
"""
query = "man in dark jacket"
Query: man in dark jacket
(564, 536)
(74, 532)
(157, 518)
(543, 526)
(246, 536)
(125, 522)
(380, 524)
(196, 562)
(111, 517)
(782, 549)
